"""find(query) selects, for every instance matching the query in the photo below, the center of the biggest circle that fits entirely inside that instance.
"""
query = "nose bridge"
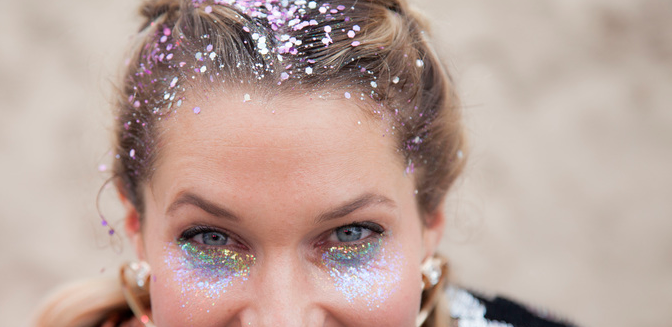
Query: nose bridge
(283, 291)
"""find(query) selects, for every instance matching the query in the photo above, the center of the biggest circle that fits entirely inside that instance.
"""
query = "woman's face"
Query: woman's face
(291, 213)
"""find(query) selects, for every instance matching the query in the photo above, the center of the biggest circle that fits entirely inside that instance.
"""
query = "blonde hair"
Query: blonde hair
(387, 59)
(81, 304)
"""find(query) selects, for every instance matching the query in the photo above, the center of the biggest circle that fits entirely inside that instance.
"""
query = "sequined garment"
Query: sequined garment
(469, 309)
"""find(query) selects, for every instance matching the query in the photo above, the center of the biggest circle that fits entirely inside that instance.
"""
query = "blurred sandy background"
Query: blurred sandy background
(567, 202)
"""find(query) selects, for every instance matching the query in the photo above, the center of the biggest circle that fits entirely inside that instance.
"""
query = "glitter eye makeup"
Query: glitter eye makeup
(204, 269)
(363, 270)
(352, 255)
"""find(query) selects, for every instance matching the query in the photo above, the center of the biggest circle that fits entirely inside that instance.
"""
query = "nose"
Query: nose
(284, 294)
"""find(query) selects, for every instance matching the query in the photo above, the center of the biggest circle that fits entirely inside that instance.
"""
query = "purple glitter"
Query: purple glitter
(286, 17)
(364, 271)
(207, 272)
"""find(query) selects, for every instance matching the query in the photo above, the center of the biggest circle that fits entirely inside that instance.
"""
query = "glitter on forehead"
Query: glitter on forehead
(206, 272)
(363, 272)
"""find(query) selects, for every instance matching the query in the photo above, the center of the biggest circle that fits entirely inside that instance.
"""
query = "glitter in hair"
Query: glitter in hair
(275, 31)
(359, 51)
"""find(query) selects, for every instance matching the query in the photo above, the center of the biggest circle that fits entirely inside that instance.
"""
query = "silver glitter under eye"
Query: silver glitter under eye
(363, 272)
(206, 272)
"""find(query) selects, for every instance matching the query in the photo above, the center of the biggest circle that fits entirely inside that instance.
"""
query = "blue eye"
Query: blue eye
(350, 233)
(211, 238)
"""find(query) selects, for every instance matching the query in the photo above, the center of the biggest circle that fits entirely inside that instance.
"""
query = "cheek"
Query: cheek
(190, 282)
(400, 307)
(367, 273)
(206, 272)
(376, 279)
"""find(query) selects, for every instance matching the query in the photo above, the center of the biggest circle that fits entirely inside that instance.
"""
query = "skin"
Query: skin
(277, 166)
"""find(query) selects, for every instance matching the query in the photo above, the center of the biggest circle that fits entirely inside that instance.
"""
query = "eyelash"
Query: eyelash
(377, 231)
(192, 232)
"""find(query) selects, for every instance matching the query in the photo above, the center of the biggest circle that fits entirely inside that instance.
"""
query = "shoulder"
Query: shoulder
(469, 309)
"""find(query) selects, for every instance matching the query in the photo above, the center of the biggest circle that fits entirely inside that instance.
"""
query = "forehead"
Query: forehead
(277, 143)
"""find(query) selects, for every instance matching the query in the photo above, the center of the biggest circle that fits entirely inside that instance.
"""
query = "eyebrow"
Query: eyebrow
(362, 201)
(189, 198)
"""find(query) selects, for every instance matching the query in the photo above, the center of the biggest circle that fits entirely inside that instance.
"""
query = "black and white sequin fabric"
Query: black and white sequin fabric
(469, 309)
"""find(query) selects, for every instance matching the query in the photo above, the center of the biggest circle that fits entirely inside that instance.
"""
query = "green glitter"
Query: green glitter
(364, 272)
(352, 254)
(218, 258)
(208, 271)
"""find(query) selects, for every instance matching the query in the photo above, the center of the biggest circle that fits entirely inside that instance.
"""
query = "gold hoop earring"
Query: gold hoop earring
(134, 278)
(434, 272)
